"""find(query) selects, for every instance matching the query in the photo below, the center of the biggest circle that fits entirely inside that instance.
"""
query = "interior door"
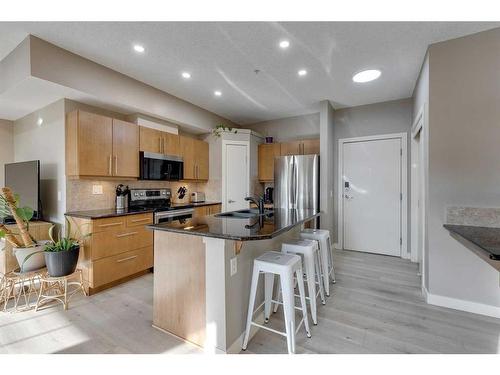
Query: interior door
(125, 149)
(236, 176)
(371, 175)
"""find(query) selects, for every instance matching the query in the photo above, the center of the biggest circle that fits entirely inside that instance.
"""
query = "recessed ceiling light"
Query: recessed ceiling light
(138, 48)
(366, 75)
(302, 72)
(284, 44)
(39, 121)
(217, 93)
(186, 75)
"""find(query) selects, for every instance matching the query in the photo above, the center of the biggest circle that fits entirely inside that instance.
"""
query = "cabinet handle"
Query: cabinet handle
(116, 165)
(139, 220)
(110, 224)
(110, 167)
(125, 259)
(159, 144)
(126, 234)
(197, 174)
(163, 145)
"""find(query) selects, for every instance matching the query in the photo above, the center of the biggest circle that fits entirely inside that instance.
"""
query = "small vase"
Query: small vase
(62, 263)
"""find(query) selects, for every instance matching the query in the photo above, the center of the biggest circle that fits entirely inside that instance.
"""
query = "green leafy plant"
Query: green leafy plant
(61, 242)
(10, 206)
(221, 128)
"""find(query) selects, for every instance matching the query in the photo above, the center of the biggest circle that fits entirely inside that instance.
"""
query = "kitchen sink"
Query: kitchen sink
(243, 214)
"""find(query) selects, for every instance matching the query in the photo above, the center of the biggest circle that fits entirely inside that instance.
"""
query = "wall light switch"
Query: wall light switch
(96, 189)
(234, 266)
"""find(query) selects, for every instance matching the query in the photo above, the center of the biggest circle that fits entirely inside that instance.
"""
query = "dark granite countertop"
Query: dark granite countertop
(112, 212)
(487, 239)
(239, 229)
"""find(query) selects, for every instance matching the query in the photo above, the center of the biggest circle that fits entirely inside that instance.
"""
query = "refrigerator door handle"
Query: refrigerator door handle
(294, 183)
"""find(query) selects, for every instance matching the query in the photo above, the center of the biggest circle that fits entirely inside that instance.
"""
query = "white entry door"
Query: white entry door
(372, 196)
(236, 175)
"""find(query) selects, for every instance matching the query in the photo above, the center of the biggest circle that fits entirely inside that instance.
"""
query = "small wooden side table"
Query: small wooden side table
(59, 289)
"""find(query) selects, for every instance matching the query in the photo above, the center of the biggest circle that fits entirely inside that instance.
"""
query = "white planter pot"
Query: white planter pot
(33, 263)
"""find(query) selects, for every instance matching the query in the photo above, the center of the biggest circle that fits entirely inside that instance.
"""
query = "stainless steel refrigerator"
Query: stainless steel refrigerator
(296, 182)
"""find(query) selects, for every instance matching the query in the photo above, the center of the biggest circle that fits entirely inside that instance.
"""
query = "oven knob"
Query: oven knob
(136, 194)
(142, 194)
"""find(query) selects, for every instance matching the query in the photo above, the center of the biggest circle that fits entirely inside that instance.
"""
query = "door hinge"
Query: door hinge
(400, 196)
(400, 241)
(401, 151)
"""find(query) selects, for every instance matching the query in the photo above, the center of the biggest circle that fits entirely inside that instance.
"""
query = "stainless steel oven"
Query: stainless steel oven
(172, 215)
(160, 167)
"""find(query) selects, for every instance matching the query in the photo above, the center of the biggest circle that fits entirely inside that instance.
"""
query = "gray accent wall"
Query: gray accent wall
(464, 161)
(373, 119)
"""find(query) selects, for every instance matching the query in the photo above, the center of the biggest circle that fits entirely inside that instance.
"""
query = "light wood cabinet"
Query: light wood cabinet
(195, 154)
(291, 148)
(171, 144)
(125, 149)
(310, 147)
(99, 146)
(150, 140)
(267, 153)
(117, 249)
(156, 141)
(211, 209)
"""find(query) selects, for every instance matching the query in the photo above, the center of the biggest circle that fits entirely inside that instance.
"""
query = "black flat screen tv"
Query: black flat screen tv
(24, 179)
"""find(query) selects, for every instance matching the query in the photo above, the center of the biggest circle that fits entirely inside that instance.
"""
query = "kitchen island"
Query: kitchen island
(198, 295)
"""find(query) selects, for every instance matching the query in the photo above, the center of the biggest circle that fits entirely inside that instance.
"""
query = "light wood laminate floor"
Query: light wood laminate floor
(376, 307)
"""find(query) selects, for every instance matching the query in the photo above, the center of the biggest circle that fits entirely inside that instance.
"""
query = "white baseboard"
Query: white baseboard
(235, 347)
(460, 304)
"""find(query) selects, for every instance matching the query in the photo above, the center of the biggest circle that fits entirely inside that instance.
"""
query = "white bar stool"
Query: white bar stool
(285, 265)
(325, 248)
(309, 251)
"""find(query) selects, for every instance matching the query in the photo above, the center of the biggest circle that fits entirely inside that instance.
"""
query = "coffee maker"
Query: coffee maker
(268, 195)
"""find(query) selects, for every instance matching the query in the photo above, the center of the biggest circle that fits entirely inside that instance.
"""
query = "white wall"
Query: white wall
(373, 119)
(421, 103)
(45, 143)
(6, 147)
(298, 127)
(464, 160)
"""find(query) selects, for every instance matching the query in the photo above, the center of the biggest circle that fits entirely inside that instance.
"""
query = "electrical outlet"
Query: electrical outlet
(234, 266)
(97, 189)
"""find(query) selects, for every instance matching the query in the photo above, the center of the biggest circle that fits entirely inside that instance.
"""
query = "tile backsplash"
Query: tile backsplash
(79, 192)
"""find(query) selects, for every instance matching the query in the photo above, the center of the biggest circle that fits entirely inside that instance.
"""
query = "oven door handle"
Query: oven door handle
(173, 213)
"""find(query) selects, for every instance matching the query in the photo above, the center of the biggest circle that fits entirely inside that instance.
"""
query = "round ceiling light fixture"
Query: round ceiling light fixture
(284, 44)
(186, 75)
(138, 48)
(302, 72)
(217, 93)
(366, 75)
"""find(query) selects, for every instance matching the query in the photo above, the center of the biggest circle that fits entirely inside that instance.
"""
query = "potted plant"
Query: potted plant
(23, 244)
(221, 128)
(61, 252)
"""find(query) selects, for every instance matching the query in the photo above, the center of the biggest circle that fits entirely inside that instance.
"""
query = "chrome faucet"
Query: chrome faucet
(259, 201)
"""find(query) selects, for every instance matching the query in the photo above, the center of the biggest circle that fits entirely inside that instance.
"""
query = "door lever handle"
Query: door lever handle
(231, 201)
(348, 197)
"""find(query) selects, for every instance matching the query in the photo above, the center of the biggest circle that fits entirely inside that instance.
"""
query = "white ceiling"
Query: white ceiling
(223, 56)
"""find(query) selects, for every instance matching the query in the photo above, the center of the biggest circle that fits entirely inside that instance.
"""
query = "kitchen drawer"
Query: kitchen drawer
(138, 220)
(114, 242)
(116, 267)
(108, 224)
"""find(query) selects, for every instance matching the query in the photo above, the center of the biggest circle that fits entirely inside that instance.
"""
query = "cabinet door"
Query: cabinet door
(267, 153)
(150, 140)
(188, 154)
(310, 146)
(125, 149)
(95, 144)
(214, 209)
(291, 148)
(171, 144)
(202, 160)
(200, 211)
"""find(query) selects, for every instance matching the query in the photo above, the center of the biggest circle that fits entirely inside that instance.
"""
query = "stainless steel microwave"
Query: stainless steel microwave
(160, 167)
